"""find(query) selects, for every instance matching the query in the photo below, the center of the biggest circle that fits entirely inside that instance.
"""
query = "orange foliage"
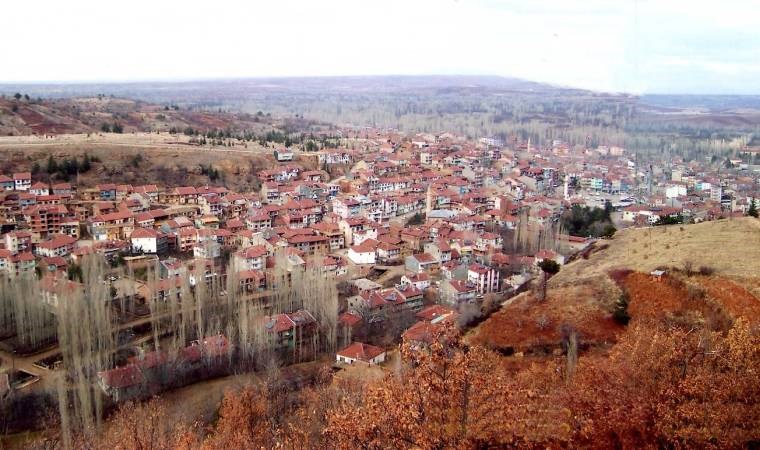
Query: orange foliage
(737, 300)
(244, 422)
(650, 298)
(527, 324)
(659, 387)
(669, 387)
(453, 397)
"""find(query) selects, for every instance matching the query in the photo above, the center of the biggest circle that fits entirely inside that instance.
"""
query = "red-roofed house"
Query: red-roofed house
(59, 245)
(456, 292)
(148, 240)
(361, 352)
(364, 253)
(22, 181)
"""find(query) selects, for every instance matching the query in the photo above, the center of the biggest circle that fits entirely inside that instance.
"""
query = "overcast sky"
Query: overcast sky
(637, 46)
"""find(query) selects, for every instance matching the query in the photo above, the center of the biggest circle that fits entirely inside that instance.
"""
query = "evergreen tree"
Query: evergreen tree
(52, 166)
(752, 211)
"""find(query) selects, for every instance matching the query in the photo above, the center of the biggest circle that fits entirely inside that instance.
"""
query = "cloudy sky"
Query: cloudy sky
(637, 46)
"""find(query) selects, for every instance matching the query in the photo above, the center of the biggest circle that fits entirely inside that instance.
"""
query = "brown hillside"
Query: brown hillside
(582, 296)
(86, 115)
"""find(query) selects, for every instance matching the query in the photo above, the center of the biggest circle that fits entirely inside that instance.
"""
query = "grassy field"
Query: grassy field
(730, 247)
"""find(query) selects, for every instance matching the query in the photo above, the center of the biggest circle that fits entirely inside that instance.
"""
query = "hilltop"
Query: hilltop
(28, 116)
(710, 278)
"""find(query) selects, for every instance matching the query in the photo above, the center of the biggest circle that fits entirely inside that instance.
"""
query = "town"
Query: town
(418, 230)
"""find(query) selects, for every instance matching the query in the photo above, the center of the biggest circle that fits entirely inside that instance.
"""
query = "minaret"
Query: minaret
(429, 200)
(566, 189)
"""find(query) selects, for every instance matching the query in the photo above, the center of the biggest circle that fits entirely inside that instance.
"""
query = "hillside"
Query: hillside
(87, 114)
(730, 247)
(468, 105)
(140, 158)
(711, 280)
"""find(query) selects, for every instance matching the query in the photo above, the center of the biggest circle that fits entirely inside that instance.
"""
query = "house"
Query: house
(434, 313)
(111, 226)
(549, 254)
(425, 331)
(391, 303)
(63, 189)
(333, 233)
(364, 253)
(486, 279)
(5, 260)
(148, 240)
(39, 188)
(253, 258)
(53, 287)
(122, 383)
(107, 191)
(6, 183)
(456, 292)
(364, 285)
(292, 332)
(186, 238)
(421, 262)
(59, 245)
(388, 253)
(22, 264)
(440, 250)
(17, 241)
(22, 181)
(420, 281)
(360, 352)
(251, 281)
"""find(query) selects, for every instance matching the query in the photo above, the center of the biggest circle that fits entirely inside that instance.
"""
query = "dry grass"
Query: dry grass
(731, 247)
(167, 159)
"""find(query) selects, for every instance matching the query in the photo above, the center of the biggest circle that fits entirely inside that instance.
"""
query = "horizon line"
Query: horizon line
(147, 80)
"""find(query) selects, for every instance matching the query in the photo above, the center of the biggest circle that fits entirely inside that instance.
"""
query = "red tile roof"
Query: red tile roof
(360, 351)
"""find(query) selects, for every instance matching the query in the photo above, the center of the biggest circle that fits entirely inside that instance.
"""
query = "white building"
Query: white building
(283, 154)
(361, 352)
(364, 253)
(675, 191)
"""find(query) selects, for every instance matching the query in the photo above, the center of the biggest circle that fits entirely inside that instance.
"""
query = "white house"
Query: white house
(484, 278)
(22, 181)
(144, 240)
(364, 253)
(674, 191)
(420, 281)
(361, 352)
(59, 245)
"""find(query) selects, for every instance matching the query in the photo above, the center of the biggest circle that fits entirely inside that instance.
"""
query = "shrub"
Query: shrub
(620, 313)
(706, 270)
